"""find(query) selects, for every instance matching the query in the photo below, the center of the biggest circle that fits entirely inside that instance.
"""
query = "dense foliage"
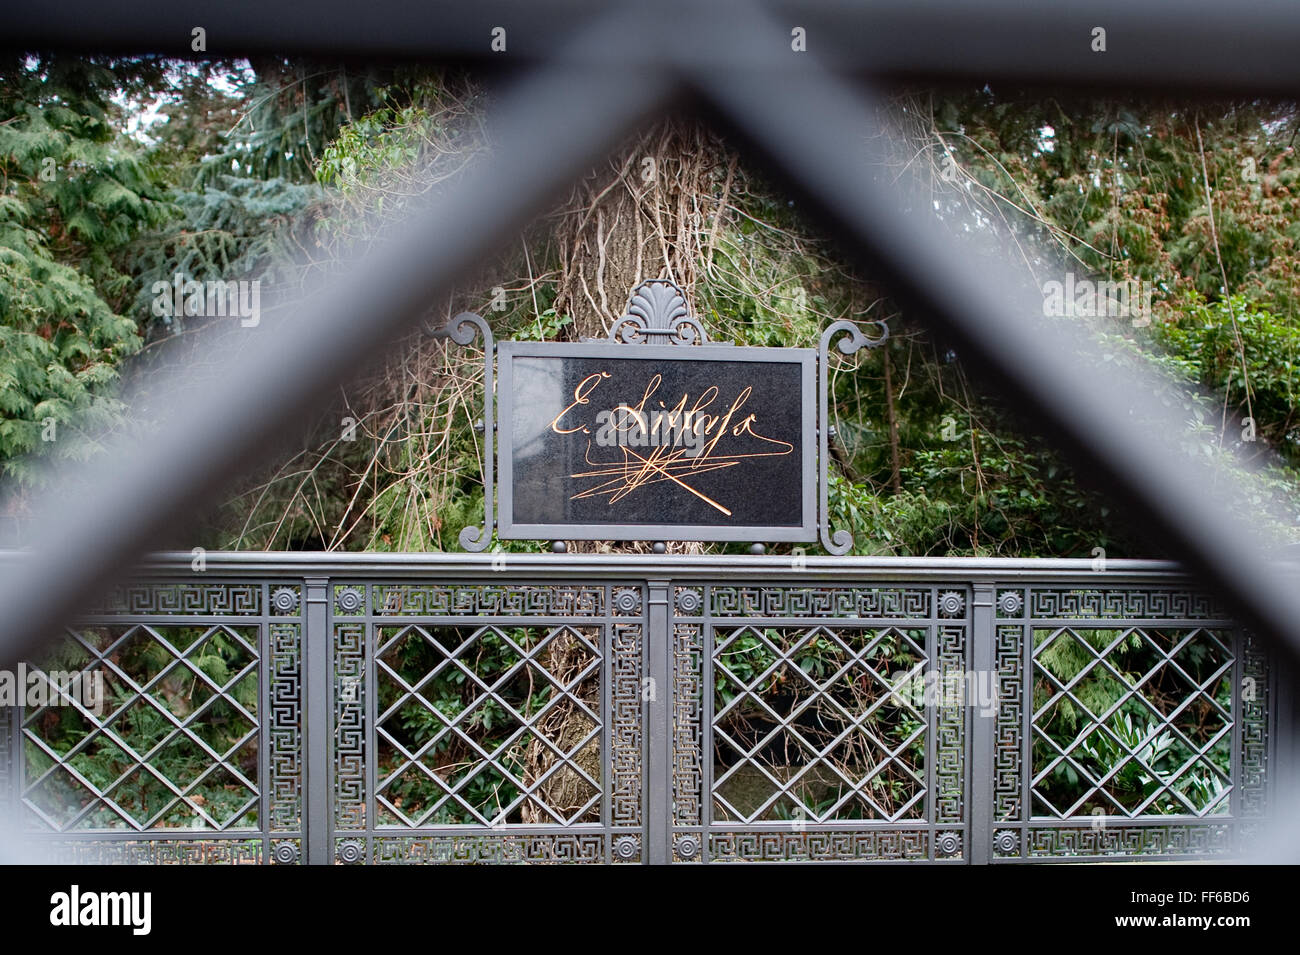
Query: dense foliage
(272, 169)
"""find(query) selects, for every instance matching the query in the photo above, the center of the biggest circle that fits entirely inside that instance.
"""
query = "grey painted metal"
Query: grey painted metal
(982, 726)
(658, 695)
(318, 730)
(278, 564)
(461, 330)
(850, 341)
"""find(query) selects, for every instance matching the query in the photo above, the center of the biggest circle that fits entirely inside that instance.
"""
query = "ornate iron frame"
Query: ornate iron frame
(659, 321)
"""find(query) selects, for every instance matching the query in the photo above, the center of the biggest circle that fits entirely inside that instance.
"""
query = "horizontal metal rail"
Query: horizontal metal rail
(448, 566)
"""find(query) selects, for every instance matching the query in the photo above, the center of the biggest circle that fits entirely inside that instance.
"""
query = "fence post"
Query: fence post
(982, 722)
(658, 724)
(317, 665)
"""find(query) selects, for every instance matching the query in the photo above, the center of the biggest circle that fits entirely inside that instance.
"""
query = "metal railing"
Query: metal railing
(559, 708)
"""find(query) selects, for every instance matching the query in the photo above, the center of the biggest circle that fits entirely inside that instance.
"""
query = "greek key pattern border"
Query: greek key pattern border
(187, 598)
(490, 848)
(813, 601)
(1008, 741)
(1097, 603)
(154, 851)
(284, 728)
(1255, 707)
(949, 794)
(1117, 840)
(349, 726)
(477, 600)
(625, 724)
(820, 845)
(688, 724)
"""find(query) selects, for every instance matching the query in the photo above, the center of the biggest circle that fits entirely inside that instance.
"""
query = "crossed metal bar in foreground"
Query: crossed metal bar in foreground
(813, 128)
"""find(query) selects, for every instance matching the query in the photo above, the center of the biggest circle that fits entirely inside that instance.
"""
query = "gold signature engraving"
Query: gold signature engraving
(681, 442)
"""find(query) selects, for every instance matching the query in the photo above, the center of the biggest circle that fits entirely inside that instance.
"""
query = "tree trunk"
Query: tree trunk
(895, 465)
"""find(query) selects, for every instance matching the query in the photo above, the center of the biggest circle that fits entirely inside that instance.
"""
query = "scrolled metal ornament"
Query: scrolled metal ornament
(461, 331)
(952, 603)
(627, 600)
(1006, 842)
(840, 541)
(1010, 603)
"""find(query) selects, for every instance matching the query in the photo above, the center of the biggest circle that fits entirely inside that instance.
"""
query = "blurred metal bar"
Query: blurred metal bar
(558, 121)
(803, 117)
(1161, 44)
(818, 132)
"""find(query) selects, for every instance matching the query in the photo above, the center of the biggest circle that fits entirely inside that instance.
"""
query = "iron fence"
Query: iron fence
(805, 119)
(561, 708)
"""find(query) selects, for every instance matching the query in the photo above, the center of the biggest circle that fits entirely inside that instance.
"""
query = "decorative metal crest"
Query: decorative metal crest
(657, 314)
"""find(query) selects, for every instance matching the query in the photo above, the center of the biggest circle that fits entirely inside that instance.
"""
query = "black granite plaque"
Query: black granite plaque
(656, 442)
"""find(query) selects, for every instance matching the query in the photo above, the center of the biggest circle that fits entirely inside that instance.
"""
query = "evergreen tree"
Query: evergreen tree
(72, 194)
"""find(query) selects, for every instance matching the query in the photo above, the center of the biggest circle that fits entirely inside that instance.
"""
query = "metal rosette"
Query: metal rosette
(627, 600)
(952, 603)
(285, 853)
(1006, 842)
(351, 600)
(627, 848)
(689, 602)
(947, 844)
(687, 847)
(351, 851)
(1010, 602)
(284, 600)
